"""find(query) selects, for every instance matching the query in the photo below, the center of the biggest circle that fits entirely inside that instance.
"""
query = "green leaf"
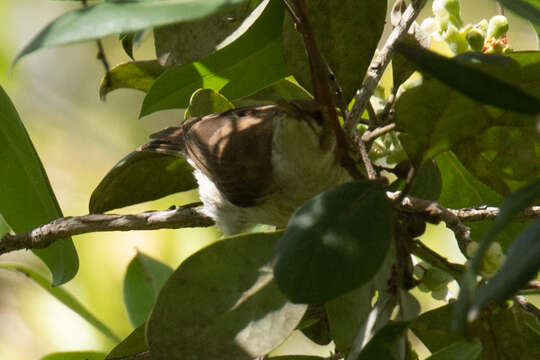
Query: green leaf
(138, 75)
(248, 64)
(334, 243)
(463, 350)
(189, 41)
(283, 89)
(471, 81)
(141, 176)
(434, 328)
(143, 281)
(75, 355)
(521, 265)
(207, 101)
(64, 297)
(335, 30)
(135, 343)
(347, 313)
(131, 40)
(529, 9)
(295, 357)
(382, 345)
(114, 17)
(461, 190)
(222, 303)
(26, 197)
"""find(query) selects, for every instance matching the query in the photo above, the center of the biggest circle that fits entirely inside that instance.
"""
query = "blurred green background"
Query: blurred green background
(79, 139)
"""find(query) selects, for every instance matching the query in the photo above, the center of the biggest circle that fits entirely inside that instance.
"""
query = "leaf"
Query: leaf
(141, 176)
(529, 9)
(143, 281)
(131, 40)
(64, 297)
(463, 350)
(207, 101)
(222, 303)
(135, 343)
(114, 17)
(334, 243)
(75, 355)
(461, 190)
(295, 357)
(335, 30)
(471, 81)
(248, 64)
(402, 68)
(347, 313)
(434, 328)
(138, 75)
(283, 89)
(381, 346)
(26, 197)
(192, 40)
(521, 265)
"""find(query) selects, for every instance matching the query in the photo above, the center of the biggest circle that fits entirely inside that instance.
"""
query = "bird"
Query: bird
(255, 165)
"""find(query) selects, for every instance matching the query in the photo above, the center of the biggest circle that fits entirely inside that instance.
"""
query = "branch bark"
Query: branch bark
(45, 235)
(377, 67)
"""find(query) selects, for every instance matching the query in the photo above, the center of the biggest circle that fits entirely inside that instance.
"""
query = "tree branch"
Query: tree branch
(45, 235)
(380, 63)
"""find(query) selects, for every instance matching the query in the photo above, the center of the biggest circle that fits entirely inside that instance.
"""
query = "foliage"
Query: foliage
(342, 270)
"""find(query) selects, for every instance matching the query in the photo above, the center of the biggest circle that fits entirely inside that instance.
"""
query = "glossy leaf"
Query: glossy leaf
(75, 355)
(189, 41)
(336, 30)
(382, 345)
(243, 67)
(529, 9)
(144, 279)
(207, 101)
(135, 343)
(138, 75)
(64, 297)
(26, 197)
(471, 81)
(462, 350)
(141, 176)
(114, 17)
(434, 328)
(334, 243)
(222, 303)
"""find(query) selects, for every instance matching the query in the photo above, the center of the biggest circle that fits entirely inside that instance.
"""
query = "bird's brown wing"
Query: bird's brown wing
(233, 149)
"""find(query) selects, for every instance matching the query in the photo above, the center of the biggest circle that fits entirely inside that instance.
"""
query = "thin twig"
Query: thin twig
(425, 253)
(371, 135)
(45, 235)
(362, 147)
(380, 63)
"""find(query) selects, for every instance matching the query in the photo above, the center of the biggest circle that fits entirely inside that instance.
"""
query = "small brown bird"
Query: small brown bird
(255, 165)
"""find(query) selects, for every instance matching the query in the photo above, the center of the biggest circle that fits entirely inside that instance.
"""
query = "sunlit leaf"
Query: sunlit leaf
(284, 88)
(207, 101)
(114, 17)
(248, 64)
(26, 197)
(138, 75)
(64, 297)
(144, 279)
(222, 303)
(75, 355)
(334, 243)
(141, 176)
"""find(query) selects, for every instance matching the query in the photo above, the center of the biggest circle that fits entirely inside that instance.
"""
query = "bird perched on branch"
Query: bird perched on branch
(256, 165)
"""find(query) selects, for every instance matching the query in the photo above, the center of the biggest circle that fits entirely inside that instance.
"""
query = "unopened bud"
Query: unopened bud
(475, 39)
(498, 26)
